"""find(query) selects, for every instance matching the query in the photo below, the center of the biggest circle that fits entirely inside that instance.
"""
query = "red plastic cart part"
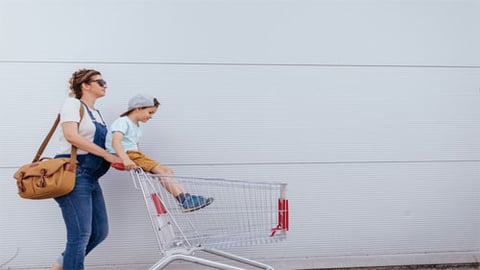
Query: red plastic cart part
(158, 204)
(282, 216)
(118, 166)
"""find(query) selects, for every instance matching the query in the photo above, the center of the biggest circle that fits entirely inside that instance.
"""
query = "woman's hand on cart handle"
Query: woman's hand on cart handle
(121, 166)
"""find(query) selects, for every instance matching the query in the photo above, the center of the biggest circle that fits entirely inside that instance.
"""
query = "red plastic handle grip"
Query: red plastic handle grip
(118, 166)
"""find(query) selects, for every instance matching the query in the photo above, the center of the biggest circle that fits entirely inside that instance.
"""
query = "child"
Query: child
(123, 140)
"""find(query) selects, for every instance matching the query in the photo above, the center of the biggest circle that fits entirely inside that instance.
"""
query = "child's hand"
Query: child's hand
(129, 164)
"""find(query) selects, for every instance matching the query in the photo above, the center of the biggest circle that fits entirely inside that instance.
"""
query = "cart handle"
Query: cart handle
(118, 166)
(134, 173)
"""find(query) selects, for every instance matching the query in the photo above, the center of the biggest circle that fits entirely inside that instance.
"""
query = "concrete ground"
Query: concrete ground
(474, 266)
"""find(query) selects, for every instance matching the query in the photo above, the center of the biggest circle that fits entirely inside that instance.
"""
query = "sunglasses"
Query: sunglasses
(100, 82)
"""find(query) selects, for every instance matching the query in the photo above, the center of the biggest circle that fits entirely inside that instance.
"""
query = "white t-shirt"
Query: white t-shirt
(71, 113)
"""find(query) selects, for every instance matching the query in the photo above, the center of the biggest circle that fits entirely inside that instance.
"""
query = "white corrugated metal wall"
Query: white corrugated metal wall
(367, 109)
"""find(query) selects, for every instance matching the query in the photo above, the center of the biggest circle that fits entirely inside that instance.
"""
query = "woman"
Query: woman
(83, 209)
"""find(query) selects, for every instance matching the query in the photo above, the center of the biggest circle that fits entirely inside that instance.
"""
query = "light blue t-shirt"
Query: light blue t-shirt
(131, 134)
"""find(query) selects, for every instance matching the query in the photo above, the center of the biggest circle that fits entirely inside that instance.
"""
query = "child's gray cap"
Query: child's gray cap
(139, 101)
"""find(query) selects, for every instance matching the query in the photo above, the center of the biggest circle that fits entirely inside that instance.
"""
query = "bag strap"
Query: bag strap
(73, 152)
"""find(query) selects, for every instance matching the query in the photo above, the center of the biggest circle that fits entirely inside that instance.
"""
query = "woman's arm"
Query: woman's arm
(70, 132)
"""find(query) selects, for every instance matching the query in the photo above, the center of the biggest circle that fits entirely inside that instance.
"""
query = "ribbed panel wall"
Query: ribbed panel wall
(367, 109)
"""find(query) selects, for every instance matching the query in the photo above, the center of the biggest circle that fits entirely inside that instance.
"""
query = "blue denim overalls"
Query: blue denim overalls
(83, 209)
(90, 164)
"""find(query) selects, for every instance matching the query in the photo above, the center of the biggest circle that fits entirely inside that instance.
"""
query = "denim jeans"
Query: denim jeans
(83, 209)
(85, 217)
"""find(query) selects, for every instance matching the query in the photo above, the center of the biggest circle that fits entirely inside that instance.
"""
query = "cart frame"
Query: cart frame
(177, 243)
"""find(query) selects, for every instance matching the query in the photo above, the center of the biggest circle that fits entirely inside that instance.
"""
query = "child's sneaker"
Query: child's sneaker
(194, 202)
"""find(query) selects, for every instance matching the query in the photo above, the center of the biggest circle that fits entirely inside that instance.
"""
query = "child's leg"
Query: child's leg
(170, 183)
(188, 201)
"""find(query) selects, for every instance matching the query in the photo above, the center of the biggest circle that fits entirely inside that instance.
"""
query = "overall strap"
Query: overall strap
(92, 116)
(40, 150)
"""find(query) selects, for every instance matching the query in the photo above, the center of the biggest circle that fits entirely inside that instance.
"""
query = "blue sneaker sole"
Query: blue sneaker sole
(208, 201)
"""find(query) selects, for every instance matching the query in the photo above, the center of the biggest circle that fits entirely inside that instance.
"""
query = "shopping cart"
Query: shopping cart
(242, 214)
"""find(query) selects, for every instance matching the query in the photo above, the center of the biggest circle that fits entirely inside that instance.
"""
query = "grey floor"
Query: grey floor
(475, 266)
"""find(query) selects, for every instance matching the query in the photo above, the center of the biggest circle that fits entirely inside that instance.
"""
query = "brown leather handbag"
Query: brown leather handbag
(46, 177)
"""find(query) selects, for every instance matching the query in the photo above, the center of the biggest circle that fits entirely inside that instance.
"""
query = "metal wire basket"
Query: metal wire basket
(242, 213)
